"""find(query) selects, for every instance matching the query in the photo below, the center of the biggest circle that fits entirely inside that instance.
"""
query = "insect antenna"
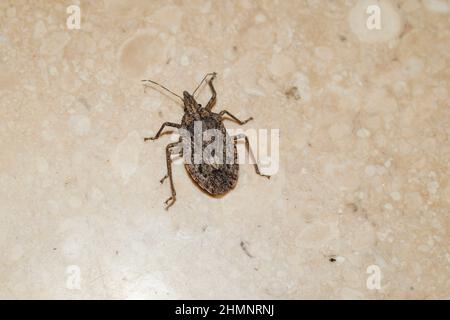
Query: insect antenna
(204, 78)
(160, 85)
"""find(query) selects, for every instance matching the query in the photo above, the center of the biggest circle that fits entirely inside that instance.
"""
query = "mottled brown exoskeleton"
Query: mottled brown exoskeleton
(214, 178)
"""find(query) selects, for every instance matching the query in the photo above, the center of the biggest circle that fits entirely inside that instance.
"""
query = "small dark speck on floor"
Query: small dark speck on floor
(117, 252)
(352, 207)
(244, 248)
(332, 258)
(204, 228)
(293, 92)
(54, 249)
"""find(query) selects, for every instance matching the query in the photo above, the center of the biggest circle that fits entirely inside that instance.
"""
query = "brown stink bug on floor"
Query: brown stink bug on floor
(214, 177)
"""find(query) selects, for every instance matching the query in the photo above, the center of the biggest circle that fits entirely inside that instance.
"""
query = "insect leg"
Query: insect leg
(247, 146)
(213, 74)
(180, 153)
(234, 118)
(211, 101)
(168, 124)
(170, 201)
(163, 178)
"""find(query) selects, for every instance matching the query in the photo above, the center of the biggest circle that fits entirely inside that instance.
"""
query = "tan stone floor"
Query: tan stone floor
(358, 206)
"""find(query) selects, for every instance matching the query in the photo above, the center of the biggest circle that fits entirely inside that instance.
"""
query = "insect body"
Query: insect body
(214, 177)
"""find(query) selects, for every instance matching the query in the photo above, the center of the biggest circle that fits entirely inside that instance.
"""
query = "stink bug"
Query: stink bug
(214, 177)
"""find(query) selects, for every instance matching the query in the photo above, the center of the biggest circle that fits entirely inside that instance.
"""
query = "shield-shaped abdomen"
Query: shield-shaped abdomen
(216, 175)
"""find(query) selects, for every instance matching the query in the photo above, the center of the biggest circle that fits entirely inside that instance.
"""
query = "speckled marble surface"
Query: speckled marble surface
(364, 150)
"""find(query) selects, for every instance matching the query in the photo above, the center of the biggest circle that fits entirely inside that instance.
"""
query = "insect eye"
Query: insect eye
(199, 105)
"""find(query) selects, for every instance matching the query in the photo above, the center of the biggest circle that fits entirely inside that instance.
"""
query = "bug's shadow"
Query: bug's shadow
(168, 132)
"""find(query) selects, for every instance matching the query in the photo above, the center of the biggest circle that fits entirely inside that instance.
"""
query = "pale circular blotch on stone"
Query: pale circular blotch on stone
(360, 18)
(41, 164)
(363, 133)
(432, 187)
(72, 247)
(126, 156)
(184, 61)
(400, 88)
(140, 52)
(370, 170)
(396, 196)
(388, 163)
(281, 65)
(53, 71)
(260, 18)
(413, 67)
(80, 124)
(439, 6)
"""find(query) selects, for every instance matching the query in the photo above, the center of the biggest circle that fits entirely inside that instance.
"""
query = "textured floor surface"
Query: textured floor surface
(358, 208)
